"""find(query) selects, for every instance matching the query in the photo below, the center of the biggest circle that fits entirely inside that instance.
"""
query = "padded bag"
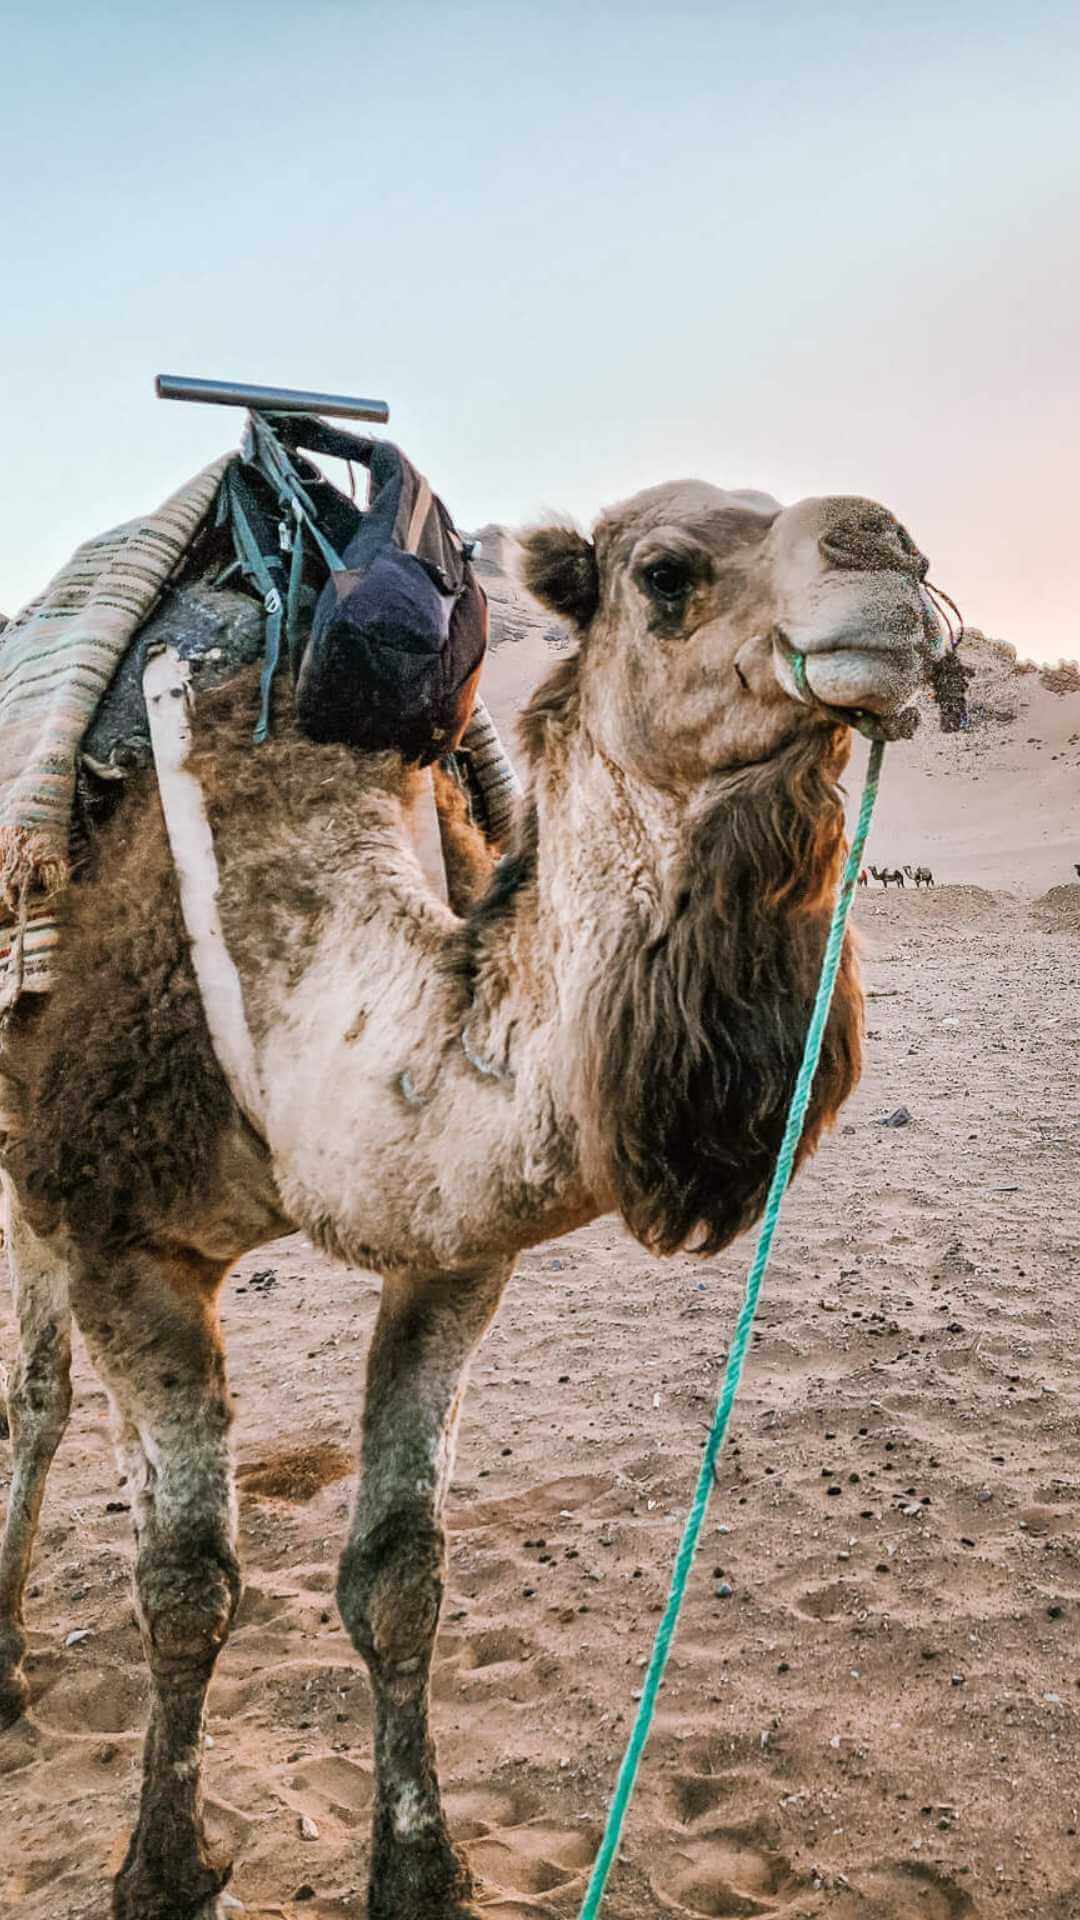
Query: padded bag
(399, 632)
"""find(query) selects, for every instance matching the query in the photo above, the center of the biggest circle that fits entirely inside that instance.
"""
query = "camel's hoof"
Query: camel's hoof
(14, 1697)
(420, 1883)
(188, 1894)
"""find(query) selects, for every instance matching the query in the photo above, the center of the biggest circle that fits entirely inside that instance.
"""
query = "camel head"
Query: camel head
(723, 643)
(692, 605)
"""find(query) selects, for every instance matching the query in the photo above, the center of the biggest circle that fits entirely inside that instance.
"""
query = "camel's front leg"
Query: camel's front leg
(391, 1582)
(150, 1322)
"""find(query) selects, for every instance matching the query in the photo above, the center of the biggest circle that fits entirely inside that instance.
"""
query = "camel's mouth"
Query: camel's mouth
(869, 658)
(856, 678)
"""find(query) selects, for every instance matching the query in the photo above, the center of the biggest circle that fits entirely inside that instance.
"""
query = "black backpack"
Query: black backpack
(399, 629)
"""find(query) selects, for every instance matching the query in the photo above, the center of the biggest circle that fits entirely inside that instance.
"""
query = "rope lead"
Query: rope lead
(665, 1633)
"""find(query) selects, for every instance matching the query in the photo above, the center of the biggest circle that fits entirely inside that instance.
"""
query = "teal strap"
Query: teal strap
(271, 656)
(292, 604)
(864, 723)
(624, 1786)
(290, 490)
(254, 564)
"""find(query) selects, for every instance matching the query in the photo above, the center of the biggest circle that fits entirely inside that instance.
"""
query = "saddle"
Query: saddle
(375, 613)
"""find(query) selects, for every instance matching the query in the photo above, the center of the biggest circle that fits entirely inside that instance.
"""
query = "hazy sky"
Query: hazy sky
(580, 248)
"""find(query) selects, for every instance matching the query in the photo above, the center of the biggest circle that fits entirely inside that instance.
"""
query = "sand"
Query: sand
(873, 1708)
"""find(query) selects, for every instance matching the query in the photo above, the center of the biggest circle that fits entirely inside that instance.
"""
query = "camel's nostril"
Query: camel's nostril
(873, 542)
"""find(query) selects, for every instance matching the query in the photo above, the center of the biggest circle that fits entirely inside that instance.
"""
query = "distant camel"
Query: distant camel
(922, 876)
(887, 875)
(864, 877)
(1076, 870)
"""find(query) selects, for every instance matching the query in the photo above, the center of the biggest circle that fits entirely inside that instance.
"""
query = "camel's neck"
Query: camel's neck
(594, 871)
(670, 946)
(618, 1024)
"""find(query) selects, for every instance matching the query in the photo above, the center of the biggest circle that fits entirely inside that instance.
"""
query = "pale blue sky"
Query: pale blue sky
(579, 248)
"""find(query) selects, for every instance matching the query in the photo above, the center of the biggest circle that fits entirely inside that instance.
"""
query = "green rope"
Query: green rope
(665, 1633)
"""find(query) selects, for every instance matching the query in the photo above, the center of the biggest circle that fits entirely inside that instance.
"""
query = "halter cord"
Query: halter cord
(665, 1633)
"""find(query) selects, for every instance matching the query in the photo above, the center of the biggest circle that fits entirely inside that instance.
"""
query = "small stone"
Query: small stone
(900, 1117)
(308, 1829)
(77, 1634)
(725, 1590)
(305, 1892)
(958, 1679)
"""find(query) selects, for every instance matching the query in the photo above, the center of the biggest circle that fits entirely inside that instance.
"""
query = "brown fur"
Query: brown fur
(130, 1107)
(559, 567)
(127, 1096)
(699, 1027)
(467, 856)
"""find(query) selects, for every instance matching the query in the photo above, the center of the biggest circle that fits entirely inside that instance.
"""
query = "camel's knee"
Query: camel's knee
(188, 1595)
(389, 1592)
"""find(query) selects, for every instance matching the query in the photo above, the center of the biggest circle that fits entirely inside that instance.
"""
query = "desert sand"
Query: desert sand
(873, 1707)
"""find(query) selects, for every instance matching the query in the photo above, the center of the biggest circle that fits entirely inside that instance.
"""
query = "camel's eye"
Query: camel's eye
(668, 580)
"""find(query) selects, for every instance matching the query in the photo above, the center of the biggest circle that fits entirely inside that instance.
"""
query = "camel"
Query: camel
(615, 1024)
(922, 876)
(889, 876)
(864, 877)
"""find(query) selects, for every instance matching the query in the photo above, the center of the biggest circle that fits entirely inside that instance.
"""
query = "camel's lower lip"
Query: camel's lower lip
(864, 673)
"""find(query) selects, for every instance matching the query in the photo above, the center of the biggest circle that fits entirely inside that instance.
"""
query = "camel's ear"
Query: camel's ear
(558, 566)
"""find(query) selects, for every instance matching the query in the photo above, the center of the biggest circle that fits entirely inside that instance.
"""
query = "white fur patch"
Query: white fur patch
(410, 1814)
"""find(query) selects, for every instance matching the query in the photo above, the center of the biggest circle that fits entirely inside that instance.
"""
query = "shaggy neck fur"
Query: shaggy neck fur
(678, 952)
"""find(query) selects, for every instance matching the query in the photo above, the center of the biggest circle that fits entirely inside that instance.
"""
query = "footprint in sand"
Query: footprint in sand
(691, 1796)
(540, 1857)
(500, 1659)
(729, 1874)
(98, 1699)
(474, 1812)
(905, 1891)
(331, 1785)
(295, 1474)
(830, 1602)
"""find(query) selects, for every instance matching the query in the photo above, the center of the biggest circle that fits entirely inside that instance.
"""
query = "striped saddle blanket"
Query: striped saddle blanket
(73, 645)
